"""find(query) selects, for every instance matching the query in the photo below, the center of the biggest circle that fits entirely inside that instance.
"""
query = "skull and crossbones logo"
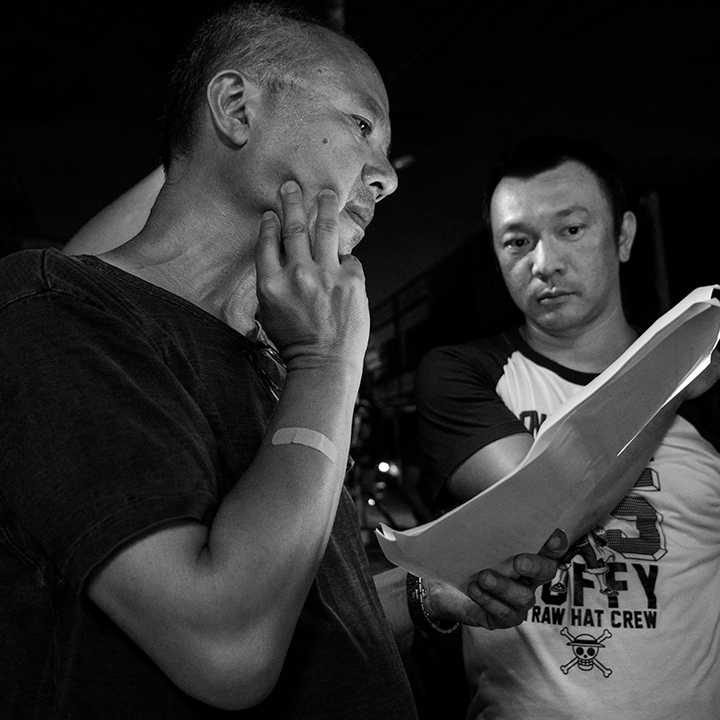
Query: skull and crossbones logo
(586, 648)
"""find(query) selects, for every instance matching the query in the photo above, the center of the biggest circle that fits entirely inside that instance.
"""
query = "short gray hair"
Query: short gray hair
(272, 43)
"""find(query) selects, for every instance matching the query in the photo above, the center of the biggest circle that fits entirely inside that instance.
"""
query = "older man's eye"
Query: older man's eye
(364, 126)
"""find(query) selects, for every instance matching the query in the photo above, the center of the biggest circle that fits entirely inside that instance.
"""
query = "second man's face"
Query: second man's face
(554, 239)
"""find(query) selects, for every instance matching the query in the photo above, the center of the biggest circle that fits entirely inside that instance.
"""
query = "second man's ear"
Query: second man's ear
(232, 100)
(626, 236)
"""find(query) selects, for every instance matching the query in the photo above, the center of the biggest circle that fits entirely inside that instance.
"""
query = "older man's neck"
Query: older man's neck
(211, 269)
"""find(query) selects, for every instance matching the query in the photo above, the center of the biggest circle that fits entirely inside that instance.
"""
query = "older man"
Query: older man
(176, 540)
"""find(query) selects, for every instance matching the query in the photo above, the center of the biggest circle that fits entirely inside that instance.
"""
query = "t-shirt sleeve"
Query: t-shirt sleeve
(100, 442)
(459, 410)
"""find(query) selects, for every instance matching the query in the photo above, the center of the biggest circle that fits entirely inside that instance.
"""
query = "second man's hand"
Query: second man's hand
(494, 600)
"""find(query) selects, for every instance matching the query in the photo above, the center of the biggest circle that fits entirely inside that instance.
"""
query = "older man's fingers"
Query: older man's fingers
(295, 234)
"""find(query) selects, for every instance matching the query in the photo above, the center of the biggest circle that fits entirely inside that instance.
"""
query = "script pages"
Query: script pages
(569, 478)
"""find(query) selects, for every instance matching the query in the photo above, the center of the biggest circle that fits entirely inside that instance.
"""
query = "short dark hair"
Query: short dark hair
(272, 42)
(536, 154)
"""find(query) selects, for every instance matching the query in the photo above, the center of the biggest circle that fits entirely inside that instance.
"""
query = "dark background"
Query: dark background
(82, 84)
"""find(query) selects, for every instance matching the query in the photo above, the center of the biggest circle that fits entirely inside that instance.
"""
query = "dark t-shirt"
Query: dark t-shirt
(124, 409)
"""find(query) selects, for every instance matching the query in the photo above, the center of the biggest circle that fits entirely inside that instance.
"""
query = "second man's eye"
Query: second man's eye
(515, 242)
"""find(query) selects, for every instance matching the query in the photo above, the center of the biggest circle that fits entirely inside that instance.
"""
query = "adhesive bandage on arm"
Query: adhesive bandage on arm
(305, 436)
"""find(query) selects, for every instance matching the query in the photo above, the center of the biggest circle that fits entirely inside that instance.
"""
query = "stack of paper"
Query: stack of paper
(569, 477)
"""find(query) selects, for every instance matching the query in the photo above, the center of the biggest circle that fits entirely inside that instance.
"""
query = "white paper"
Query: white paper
(569, 475)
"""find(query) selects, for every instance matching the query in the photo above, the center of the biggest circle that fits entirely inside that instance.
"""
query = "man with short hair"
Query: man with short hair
(176, 541)
(629, 628)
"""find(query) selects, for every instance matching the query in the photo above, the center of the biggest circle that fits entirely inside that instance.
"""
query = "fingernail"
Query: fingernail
(268, 215)
(524, 565)
(489, 582)
(289, 186)
(326, 193)
(558, 540)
